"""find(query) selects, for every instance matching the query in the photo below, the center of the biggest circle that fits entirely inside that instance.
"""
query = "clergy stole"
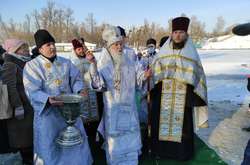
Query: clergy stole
(172, 108)
(172, 121)
(91, 113)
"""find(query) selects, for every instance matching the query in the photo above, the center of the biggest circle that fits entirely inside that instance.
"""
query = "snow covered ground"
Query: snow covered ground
(228, 42)
(227, 72)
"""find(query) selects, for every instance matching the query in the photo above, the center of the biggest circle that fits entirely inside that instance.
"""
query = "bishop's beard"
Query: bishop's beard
(117, 59)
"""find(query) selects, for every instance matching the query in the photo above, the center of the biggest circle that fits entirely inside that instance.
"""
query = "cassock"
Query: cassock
(42, 79)
(179, 93)
(120, 124)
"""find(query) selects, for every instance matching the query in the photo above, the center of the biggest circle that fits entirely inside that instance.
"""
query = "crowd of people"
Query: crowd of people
(142, 103)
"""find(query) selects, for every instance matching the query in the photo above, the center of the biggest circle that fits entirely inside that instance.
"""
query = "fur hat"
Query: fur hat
(76, 44)
(180, 23)
(42, 37)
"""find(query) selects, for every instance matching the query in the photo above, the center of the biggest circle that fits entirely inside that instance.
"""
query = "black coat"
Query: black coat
(1, 54)
(20, 132)
(248, 84)
(169, 149)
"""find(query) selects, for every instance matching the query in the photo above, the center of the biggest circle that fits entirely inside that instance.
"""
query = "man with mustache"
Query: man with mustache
(45, 77)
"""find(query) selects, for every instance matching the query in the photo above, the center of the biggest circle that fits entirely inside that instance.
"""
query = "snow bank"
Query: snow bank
(228, 42)
(228, 139)
(226, 72)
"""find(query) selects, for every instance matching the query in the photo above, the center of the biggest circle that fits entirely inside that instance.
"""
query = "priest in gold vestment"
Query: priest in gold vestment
(179, 97)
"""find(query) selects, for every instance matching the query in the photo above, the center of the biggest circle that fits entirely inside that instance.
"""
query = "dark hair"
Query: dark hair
(2, 51)
(82, 39)
(122, 31)
(42, 36)
(163, 40)
(35, 52)
(151, 41)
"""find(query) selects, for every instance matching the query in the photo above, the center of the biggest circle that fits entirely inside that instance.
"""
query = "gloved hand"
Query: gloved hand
(248, 84)
(19, 113)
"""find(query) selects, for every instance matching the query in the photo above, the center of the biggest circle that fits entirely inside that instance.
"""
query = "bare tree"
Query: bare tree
(60, 22)
(4, 30)
(170, 25)
(197, 29)
(36, 17)
(68, 21)
(219, 27)
(27, 23)
(90, 25)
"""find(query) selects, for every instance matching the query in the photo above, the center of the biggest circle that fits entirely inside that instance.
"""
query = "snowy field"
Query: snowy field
(226, 72)
(228, 42)
(228, 97)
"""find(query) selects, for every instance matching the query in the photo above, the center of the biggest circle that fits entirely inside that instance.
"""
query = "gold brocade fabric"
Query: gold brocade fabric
(172, 110)
(185, 68)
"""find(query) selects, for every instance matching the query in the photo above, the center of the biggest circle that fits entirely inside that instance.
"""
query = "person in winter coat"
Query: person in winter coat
(19, 127)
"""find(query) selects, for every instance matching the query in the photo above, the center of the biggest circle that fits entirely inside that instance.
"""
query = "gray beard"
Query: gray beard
(117, 59)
